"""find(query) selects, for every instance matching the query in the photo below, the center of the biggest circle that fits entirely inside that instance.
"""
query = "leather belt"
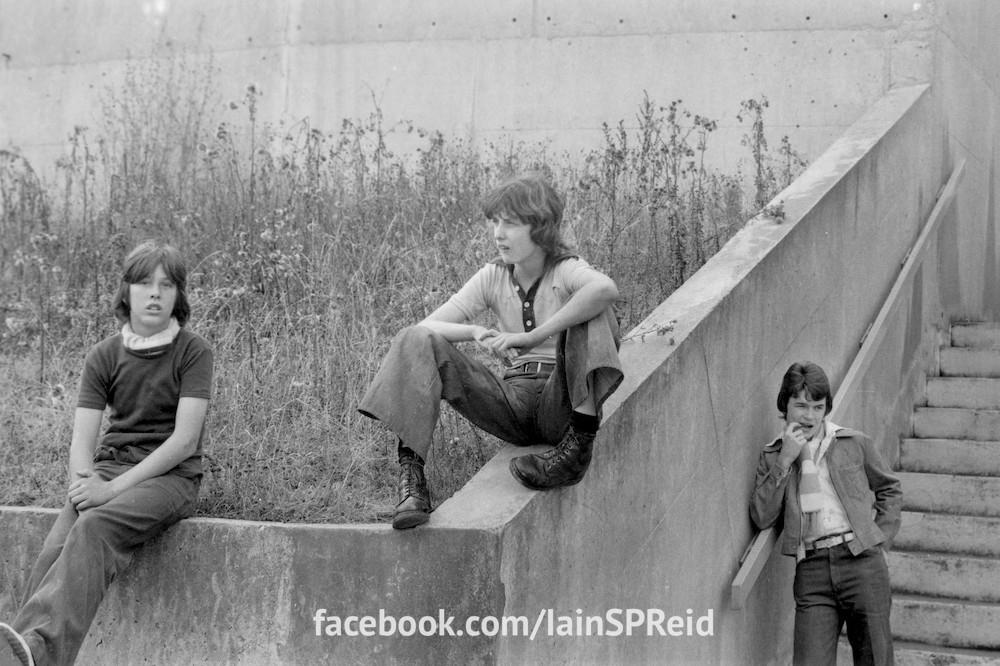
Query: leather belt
(530, 368)
(830, 541)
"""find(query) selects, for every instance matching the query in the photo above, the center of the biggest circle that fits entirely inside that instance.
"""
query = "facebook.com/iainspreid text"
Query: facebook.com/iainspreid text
(612, 623)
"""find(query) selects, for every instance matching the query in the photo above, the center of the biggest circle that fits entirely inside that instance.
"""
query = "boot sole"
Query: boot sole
(407, 519)
(531, 486)
(17, 644)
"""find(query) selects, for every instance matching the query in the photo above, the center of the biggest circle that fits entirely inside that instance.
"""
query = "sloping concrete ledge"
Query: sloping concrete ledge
(660, 522)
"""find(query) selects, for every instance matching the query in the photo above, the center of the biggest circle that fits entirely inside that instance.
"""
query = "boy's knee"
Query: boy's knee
(413, 331)
(89, 534)
(90, 523)
(416, 336)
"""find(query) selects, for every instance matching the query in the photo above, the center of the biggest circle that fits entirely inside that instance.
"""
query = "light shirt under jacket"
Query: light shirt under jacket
(831, 518)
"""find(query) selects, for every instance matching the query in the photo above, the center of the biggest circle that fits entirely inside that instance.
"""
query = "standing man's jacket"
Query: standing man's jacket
(861, 478)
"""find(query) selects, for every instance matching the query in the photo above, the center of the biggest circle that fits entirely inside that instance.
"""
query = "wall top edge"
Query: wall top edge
(686, 310)
(202, 523)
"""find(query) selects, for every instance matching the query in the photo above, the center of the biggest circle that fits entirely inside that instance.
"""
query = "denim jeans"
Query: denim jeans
(422, 368)
(85, 551)
(833, 587)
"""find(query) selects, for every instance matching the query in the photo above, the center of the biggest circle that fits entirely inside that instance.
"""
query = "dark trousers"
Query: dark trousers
(422, 368)
(833, 587)
(83, 553)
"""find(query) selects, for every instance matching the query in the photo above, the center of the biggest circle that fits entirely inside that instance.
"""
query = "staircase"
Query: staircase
(945, 563)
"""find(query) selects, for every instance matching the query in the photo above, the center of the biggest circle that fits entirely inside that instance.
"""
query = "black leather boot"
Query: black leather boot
(414, 506)
(563, 465)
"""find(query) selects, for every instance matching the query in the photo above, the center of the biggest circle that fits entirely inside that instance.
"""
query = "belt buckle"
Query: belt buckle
(523, 369)
(831, 541)
(529, 368)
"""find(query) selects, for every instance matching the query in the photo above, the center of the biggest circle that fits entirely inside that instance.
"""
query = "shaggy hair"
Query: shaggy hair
(805, 376)
(140, 264)
(530, 198)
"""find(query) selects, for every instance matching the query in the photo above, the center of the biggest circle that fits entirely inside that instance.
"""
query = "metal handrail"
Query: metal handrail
(758, 551)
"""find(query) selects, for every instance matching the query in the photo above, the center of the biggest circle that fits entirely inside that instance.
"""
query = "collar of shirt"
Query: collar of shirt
(829, 433)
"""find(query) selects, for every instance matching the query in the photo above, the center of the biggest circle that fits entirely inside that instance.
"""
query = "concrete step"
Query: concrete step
(952, 423)
(950, 456)
(951, 493)
(945, 566)
(947, 533)
(983, 334)
(946, 622)
(918, 654)
(964, 577)
(970, 362)
(965, 392)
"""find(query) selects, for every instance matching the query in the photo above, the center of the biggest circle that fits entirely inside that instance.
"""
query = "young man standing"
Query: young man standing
(557, 337)
(840, 505)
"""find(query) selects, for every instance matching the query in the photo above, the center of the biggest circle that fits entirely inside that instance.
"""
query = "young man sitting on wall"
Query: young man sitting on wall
(557, 337)
(840, 504)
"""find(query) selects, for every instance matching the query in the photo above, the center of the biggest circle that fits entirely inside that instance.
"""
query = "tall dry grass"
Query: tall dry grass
(308, 250)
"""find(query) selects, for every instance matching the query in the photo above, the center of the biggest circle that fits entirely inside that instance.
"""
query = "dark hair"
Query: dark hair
(805, 376)
(530, 198)
(139, 264)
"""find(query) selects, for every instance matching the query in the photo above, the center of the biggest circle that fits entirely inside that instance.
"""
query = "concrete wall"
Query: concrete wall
(237, 592)
(966, 85)
(547, 70)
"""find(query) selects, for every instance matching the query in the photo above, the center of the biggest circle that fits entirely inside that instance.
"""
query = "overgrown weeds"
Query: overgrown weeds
(308, 251)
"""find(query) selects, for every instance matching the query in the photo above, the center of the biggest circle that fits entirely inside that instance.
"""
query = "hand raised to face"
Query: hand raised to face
(793, 442)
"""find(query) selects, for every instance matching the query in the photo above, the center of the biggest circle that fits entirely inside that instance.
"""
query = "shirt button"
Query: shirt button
(527, 304)
(528, 323)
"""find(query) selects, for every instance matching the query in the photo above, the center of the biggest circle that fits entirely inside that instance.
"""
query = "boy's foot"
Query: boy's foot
(563, 465)
(19, 650)
(414, 506)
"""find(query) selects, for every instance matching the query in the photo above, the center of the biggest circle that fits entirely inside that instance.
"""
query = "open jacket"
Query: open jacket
(867, 488)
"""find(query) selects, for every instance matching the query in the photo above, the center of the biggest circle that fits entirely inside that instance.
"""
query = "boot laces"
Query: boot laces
(409, 483)
(560, 453)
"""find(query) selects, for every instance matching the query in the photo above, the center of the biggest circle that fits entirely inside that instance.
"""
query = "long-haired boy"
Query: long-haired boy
(557, 337)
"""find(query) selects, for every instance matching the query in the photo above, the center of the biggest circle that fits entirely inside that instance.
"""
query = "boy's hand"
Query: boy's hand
(792, 442)
(487, 339)
(90, 491)
(510, 345)
(483, 335)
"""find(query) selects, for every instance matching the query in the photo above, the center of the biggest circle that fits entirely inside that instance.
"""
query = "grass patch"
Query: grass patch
(308, 250)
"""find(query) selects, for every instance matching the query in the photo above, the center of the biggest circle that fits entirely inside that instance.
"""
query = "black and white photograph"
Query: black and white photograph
(514, 332)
